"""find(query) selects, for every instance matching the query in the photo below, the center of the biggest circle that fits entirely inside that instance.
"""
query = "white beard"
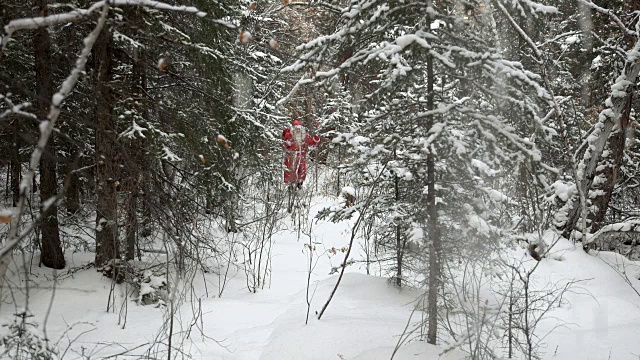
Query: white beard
(298, 135)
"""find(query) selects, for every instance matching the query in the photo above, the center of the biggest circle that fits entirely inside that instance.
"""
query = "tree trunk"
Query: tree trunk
(586, 25)
(15, 164)
(608, 169)
(73, 193)
(434, 254)
(136, 150)
(610, 119)
(399, 242)
(132, 224)
(7, 188)
(433, 231)
(146, 205)
(52, 255)
(107, 247)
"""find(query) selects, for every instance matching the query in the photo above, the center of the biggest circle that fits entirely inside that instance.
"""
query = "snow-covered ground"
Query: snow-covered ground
(363, 322)
(602, 319)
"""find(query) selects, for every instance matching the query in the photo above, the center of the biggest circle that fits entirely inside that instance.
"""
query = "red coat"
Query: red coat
(296, 155)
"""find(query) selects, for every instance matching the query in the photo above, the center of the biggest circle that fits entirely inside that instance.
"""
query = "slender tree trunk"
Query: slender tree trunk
(52, 255)
(399, 253)
(433, 231)
(107, 247)
(146, 204)
(7, 182)
(136, 148)
(73, 193)
(15, 164)
(73, 184)
(132, 224)
(399, 244)
(434, 254)
(586, 25)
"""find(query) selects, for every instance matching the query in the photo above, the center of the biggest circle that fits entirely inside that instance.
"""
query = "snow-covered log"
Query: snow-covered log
(629, 226)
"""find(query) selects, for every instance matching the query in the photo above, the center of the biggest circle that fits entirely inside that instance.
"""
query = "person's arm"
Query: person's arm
(286, 137)
(312, 141)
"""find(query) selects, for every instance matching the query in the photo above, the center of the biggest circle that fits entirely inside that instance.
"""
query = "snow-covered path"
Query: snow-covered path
(363, 321)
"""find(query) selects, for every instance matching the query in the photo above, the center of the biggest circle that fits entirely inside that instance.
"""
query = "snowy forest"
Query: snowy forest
(320, 179)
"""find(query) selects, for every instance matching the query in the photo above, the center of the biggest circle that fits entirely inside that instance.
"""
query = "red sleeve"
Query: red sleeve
(286, 137)
(312, 141)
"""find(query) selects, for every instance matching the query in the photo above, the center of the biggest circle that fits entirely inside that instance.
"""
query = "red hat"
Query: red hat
(297, 123)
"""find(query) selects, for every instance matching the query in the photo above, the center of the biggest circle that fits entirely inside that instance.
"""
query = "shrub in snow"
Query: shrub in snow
(347, 196)
(113, 270)
(25, 341)
(537, 249)
(152, 288)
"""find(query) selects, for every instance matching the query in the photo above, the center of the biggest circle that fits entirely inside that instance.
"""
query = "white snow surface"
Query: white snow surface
(363, 322)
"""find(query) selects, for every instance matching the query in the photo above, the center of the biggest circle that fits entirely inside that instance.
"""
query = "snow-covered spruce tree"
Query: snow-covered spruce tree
(436, 125)
(169, 131)
(215, 140)
(580, 54)
(335, 115)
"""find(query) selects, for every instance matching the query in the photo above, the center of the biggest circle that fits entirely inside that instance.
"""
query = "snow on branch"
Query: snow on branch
(15, 109)
(50, 20)
(534, 7)
(80, 14)
(629, 226)
(540, 8)
(46, 128)
(517, 27)
(613, 17)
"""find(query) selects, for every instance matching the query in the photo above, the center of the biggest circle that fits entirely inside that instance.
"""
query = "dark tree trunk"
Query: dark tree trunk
(72, 185)
(52, 255)
(399, 242)
(136, 161)
(73, 193)
(146, 205)
(432, 226)
(107, 247)
(399, 255)
(132, 225)
(434, 253)
(15, 164)
(7, 182)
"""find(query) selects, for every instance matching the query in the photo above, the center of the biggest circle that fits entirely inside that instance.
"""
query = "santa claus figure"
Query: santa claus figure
(296, 141)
